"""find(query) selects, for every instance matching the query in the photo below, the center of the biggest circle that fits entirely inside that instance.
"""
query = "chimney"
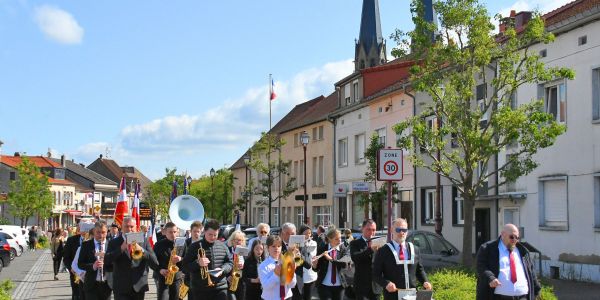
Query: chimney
(49, 153)
(521, 19)
(17, 154)
(507, 22)
(62, 161)
(100, 156)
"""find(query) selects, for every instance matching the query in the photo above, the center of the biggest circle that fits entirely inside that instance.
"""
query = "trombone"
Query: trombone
(204, 273)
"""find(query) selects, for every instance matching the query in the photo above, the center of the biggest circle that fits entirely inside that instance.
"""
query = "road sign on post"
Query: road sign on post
(390, 167)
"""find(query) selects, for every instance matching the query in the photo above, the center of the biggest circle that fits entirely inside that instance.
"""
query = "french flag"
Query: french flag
(273, 95)
(121, 209)
(152, 232)
(135, 208)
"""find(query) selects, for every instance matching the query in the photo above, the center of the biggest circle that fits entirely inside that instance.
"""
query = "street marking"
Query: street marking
(27, 286)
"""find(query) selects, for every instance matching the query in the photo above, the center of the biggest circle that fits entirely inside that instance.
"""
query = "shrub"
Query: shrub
(452, 284)
(6, 287)
(42, 242)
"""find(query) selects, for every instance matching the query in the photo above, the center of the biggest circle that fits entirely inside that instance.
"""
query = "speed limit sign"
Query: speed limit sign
(390, 165)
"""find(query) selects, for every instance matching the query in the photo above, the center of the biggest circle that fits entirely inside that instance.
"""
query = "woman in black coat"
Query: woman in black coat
(56, 247)
(250, 274)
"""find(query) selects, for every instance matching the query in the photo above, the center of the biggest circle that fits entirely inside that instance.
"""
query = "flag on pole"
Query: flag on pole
(185, 186)
(121, 209)
(174, 191)
(273, 95)
(237, 221)
(135, 207)
(152, 232)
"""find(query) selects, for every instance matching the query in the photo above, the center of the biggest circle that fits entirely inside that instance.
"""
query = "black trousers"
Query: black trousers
(131, 295)
(330, 292)
(168, 292)
(101, 292)
(253, 291)
(362, 295)
(502, 297)
(56, 261)
(75, 290)
(307, 290)
(210, 294)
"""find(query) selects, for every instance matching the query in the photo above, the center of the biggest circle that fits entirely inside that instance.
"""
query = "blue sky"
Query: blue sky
(172, 83)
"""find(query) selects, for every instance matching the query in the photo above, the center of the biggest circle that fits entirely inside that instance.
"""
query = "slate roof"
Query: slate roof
(569, 10)
(84, 172)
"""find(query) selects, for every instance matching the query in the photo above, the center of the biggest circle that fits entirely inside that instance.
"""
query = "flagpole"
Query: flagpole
(270, 100)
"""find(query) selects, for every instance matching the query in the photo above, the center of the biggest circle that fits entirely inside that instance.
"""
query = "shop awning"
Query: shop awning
(73, 212)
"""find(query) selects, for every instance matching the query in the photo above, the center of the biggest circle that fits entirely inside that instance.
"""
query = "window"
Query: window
(482, 171)
(301, 178)
(513, 101)
(553, 202)
(511, 216)
(296, 174)
(437, 245)
(419, 241)
(298, 215)
(458, 215)
(596, 94)
(556, 101)
(359, 148)
(275, 214)
(405, 134)
(321, 173)
(261, 215)
(296, 140)
(314, 171)
(322, 215)
(597, 200)
(428, 206)
(582, 40)
(321, 130)
(347, 94)
(13, 176)
(543, 53)
(355, 88)
(405, 195)
(510, 186)
(381, 135)
(454, 140)
(343, 152)
(481, 94)
(314, 135)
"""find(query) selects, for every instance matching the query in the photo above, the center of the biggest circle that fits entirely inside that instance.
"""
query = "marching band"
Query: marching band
(278, 267)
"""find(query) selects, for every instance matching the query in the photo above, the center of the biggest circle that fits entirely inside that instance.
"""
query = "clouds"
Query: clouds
(58, 25)
(236, 123)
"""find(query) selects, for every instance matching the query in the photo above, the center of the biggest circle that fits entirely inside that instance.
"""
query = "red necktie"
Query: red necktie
(400, 252)
(282, 292)
(513, 268)
(369, 244)
(333, 268)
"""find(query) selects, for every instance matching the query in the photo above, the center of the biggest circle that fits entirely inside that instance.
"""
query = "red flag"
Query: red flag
(121, 209)
(273, 95)
(135, 208)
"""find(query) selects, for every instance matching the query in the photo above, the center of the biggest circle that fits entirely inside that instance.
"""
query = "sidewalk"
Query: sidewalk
(573, 290)
(40, 284)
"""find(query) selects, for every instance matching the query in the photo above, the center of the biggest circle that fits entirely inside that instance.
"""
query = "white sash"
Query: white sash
(408, 292)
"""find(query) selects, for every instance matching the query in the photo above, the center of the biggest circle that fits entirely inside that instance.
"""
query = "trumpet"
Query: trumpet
(136, 252)
(172, 268)
(204, 274)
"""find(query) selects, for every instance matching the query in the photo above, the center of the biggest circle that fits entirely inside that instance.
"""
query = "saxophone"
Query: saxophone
(236, 274)
(172, 268)
(204, 274)
(183, 290)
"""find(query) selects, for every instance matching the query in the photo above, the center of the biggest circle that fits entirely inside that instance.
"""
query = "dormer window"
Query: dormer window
(347, 95)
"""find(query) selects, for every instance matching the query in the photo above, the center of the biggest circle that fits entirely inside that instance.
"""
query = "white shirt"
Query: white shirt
(309, 275)
(97, 245)
(506, 287)
(327, 279)
(75, 267)
(404, 250)
(270, 281)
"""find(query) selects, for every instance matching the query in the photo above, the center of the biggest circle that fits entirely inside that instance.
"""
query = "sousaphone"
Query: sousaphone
(186, 209)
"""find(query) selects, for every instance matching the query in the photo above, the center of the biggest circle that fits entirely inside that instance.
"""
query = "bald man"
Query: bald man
(505, 269)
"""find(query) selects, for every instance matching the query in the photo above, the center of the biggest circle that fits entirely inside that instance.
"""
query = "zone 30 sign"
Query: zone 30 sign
(390, 165)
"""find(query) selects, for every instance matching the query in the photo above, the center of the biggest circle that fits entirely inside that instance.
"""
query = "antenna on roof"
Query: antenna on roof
(107, 152)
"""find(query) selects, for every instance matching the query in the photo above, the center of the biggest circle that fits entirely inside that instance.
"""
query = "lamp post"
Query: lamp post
(304, 138)
(438, 179)
(246, 161)
(212, 187)
(189, 183)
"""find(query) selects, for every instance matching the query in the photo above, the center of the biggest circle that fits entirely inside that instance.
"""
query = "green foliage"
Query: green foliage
(30, 193)
(6, 287)
(452, 284)
(547, 293)
(4, 221)
(267, 160)
(158, 193)
(464, 54)
(42, 242)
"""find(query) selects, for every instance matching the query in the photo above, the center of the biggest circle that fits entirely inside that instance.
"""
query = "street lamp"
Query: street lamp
(304, 139)
(189, 183)
(246, 162)
(438, 179)
(212, 187)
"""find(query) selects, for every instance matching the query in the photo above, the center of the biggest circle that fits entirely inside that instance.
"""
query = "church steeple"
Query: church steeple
(370, 47)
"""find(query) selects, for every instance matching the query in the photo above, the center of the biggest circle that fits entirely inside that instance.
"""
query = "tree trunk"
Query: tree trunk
(467, 255)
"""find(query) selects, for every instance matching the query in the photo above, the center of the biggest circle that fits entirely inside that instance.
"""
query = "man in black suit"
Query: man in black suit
(505, 269)
(389, 267)
(130, 277)
(361, 252)
(195, 234)
(91, 259)
(163, 250)
(71, 246)
(217, 258)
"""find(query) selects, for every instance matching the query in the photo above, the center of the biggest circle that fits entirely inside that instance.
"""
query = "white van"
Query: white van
(20, 234)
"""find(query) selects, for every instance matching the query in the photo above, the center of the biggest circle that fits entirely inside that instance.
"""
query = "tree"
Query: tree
(158, 193)
(261, 152)
(30, 193)
(448, 69)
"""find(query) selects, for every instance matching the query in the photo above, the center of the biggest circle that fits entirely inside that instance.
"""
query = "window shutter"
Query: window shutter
(454, 206)
(555, 194)
(423, 206)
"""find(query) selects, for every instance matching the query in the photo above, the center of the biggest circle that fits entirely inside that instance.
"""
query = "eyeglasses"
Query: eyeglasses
(514, 237)
(398, 230)
(264, 232)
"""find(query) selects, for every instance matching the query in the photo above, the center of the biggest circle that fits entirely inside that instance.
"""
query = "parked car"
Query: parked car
(15, 249)
(436, 252)
(21, 234)
(4, 253)
(226, 230)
